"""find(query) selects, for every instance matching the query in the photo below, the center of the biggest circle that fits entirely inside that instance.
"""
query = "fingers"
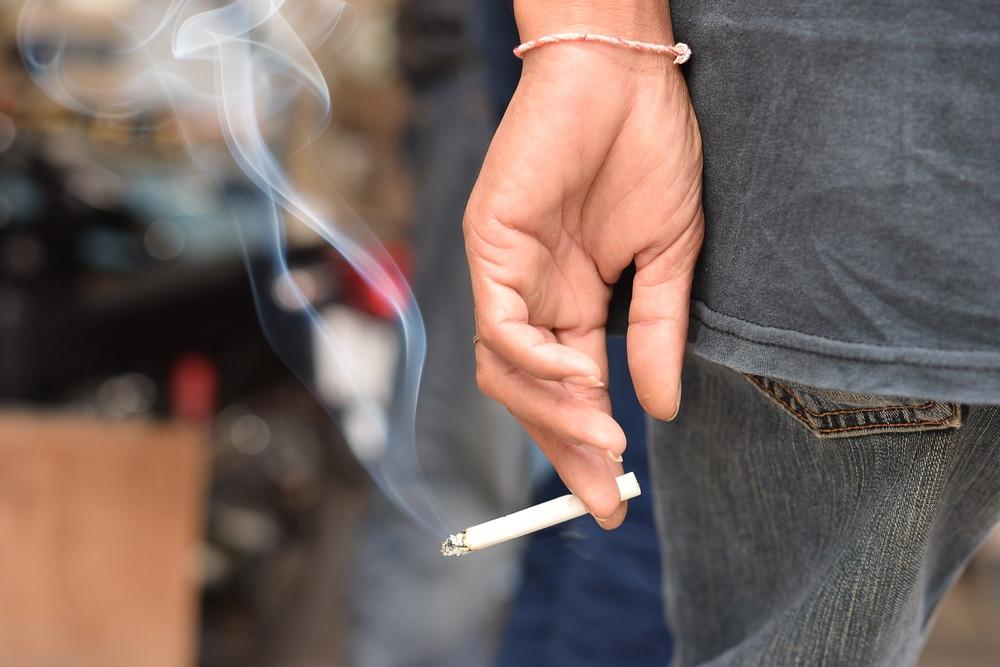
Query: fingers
(572, 427)
(592, 344)
(502, 324)
(552, 382)
(658, 323)
(573, 415)
(588, 475)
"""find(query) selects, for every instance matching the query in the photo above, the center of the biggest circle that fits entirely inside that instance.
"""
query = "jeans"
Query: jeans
(805, 526)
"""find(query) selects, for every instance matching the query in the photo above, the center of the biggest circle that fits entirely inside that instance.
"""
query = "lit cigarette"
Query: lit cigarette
(528, 520)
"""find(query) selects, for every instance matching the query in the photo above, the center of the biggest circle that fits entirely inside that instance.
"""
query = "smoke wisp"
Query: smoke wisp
(242, 64)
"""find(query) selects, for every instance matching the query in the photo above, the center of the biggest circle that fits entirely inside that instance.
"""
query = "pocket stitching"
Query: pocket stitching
(929, 422)
(923, 406)
(796, 413)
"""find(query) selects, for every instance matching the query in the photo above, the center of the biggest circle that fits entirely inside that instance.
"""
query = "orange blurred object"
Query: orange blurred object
(100, 522)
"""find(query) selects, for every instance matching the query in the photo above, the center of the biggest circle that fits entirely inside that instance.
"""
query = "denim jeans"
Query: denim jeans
(805, 526)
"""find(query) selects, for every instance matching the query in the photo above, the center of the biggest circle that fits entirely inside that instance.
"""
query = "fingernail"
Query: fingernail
(600, 450)
(677, 410)
(584, 381)
(599, 519)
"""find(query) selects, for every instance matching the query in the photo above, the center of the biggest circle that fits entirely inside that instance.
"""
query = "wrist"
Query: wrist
(646, 20)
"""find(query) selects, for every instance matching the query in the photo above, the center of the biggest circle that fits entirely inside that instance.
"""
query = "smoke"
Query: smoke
(242, 64)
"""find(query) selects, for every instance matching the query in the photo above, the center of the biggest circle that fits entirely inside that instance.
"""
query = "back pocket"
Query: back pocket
(831, 413)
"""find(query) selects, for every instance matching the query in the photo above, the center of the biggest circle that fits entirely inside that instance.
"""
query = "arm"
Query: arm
(647, 20)
(597, 163)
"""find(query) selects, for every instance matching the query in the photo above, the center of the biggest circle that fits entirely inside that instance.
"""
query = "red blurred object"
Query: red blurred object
(359, 294)
(194, 388)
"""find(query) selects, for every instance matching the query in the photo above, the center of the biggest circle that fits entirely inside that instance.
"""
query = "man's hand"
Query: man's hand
(597, 163)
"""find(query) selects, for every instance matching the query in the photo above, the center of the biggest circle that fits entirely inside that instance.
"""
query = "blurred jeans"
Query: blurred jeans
(805, 526)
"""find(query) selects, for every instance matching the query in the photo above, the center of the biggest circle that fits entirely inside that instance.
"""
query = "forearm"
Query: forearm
(647, 20)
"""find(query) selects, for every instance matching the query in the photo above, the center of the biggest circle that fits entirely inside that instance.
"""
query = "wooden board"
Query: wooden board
(99, 524)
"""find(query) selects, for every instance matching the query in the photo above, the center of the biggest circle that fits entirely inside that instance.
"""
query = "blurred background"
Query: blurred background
(171, 494)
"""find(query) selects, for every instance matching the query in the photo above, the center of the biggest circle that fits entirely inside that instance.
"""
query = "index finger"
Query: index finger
(503, 326)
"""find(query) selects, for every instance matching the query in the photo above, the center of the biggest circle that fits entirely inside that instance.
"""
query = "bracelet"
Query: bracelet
(680, 51)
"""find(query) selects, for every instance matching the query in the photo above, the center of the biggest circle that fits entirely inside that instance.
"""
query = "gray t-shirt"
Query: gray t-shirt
(852, 192)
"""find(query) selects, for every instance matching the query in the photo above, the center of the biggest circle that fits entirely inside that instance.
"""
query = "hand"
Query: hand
(597, 163)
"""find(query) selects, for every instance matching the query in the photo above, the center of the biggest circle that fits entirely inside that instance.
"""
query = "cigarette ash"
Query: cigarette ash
(455, 545)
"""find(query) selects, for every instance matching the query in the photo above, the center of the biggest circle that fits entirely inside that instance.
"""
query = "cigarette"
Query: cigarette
(528, 520)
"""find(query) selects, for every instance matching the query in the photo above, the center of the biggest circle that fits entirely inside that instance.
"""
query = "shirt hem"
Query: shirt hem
(963, 376)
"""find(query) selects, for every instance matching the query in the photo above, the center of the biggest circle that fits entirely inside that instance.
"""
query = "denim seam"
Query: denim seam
(922, 406)
(797, 414)
(926, 405)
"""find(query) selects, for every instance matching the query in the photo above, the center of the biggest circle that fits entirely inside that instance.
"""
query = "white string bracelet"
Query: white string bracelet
(679, 51)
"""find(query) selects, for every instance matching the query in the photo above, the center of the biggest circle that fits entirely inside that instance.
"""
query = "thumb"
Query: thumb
(658, 322)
